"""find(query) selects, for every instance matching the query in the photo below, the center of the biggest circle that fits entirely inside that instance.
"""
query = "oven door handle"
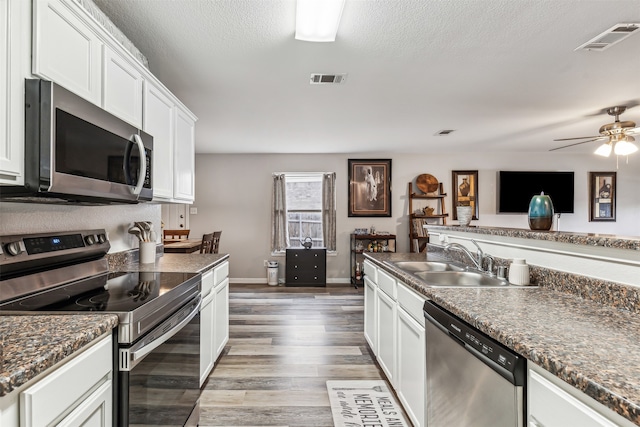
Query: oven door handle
(129, 358)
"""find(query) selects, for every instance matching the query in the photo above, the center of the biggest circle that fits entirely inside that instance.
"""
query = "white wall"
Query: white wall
(233, 194)
(19, 218)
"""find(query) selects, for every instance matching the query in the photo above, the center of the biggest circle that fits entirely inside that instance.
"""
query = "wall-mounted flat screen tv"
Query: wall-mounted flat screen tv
(516, 188)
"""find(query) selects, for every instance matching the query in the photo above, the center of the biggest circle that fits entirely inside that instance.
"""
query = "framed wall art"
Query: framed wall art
(369, 187)
(465, 191)
(602, 196)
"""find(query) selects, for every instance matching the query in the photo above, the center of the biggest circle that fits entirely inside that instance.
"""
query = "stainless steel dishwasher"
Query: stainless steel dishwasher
(472, 380)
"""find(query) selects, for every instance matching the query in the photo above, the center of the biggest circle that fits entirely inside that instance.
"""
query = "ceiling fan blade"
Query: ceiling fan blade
(632, 131)
(579, 137)
(575, 143)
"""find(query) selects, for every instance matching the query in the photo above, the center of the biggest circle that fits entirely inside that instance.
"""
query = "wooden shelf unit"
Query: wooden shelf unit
(418, 237)
(388, 240)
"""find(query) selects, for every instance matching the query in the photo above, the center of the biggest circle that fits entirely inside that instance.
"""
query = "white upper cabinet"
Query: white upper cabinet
(14, 41)
(121, 87)
(159, 121)
(65, 49)
(184, 152)
(71, 49)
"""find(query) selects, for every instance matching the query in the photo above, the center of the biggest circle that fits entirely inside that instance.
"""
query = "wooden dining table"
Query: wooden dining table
(182, 246)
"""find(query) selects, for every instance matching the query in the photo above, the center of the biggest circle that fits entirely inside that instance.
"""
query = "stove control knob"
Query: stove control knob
(13, 248)
(102, 238)
(90, 239)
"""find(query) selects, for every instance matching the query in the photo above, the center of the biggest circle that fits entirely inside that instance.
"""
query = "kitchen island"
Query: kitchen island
(589, 345)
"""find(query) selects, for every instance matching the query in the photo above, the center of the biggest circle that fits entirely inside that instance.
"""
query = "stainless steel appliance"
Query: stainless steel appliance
(158, 337)
(472, 380)
(78, 152)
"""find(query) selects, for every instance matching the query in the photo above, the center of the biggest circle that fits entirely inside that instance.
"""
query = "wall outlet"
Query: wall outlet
(265, 263)
(193, 211)
(442, 238)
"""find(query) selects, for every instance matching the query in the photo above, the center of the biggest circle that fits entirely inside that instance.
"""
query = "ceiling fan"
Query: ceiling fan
(617, 136)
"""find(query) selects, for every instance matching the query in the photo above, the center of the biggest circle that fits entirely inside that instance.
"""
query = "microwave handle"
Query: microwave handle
(143, 164)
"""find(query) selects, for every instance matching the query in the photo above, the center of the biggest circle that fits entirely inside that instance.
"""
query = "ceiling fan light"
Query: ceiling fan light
(624, 148)
(317, 21)
(604, 150)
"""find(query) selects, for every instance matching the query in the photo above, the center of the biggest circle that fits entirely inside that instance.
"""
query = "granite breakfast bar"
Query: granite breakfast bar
(590, 343)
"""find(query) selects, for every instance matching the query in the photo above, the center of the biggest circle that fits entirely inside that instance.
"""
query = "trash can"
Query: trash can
(272, 273)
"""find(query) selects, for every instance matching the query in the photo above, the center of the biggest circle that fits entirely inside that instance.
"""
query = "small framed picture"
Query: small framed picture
(369, 187)
(602, 196)
(465, 191)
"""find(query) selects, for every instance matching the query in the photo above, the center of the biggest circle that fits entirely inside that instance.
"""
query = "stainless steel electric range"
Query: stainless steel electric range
(159, 327)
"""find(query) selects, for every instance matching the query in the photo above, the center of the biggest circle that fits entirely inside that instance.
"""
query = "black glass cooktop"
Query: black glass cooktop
(110, 292)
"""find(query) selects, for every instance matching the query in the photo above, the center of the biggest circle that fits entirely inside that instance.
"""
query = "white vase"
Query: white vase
(465, 213)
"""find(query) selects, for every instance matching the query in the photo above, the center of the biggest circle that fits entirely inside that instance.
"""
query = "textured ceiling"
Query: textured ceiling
(502, 73)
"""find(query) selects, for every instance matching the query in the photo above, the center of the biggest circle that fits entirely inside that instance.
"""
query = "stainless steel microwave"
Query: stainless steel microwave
(78, 152)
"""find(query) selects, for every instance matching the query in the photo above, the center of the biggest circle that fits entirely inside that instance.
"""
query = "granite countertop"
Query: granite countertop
(31, 344)
(585, 239)
(590, 346)
(180, 263)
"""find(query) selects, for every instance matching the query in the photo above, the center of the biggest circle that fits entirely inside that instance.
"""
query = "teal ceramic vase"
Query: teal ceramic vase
(540, 212)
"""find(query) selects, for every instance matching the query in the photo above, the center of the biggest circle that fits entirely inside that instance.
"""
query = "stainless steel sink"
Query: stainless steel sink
(459, 279)
(426, 266)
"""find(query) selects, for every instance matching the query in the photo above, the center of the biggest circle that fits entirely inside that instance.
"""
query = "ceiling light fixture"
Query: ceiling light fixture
(318, 20)
(620, 145)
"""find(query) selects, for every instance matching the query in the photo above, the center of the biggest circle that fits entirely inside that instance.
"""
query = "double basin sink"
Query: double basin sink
(444, 274)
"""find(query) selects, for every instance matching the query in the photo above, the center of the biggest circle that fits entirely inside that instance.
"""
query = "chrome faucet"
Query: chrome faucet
(476, 261)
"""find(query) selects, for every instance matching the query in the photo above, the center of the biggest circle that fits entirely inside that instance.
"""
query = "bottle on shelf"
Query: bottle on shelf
(358, 272)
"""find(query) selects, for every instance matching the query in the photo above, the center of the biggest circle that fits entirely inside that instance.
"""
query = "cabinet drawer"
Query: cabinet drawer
(411, 302)
(58, 393)
(550, 406)
(220, 273)
(207, 283)
(387, 284)
(371, 271)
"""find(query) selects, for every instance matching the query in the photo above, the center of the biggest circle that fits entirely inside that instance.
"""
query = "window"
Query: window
(303, 206)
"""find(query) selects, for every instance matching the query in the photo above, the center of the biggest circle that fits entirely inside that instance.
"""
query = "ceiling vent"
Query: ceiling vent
(327, 79)
(444, 132)
(613, 35)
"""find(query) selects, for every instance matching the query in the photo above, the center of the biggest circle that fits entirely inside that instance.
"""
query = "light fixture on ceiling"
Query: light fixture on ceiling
(318, 20)
(621, 145)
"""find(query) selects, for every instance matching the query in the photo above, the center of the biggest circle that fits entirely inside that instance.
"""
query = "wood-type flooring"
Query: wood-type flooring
(284, 344)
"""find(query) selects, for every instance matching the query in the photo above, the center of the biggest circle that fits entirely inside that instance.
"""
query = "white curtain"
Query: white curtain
(329, 210)
(279, 232)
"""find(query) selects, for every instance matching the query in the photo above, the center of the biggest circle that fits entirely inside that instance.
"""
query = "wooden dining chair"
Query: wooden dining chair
(176, 234)
(210, 243)
(207, 244)
(216, 241)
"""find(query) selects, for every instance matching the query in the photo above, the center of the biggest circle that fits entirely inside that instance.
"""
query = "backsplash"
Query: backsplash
(600, 291)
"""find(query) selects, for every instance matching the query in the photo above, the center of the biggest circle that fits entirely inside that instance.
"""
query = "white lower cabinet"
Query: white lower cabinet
(553, 403)
(221, 322)
(206, 326)
(79, 393)
(214, 317)
(394, 328)
(386, 332)
(370, 291)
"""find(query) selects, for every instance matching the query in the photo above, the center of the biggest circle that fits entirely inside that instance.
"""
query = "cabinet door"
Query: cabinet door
(121, 88)
(14, 21)
(43, 403)
(65, 50)
(370, 290)
(550, 406)
(221, 323)
(411, 380)
(159, 122)
(206, 337)
(95, 411)
(184, 152)
(386, 332)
